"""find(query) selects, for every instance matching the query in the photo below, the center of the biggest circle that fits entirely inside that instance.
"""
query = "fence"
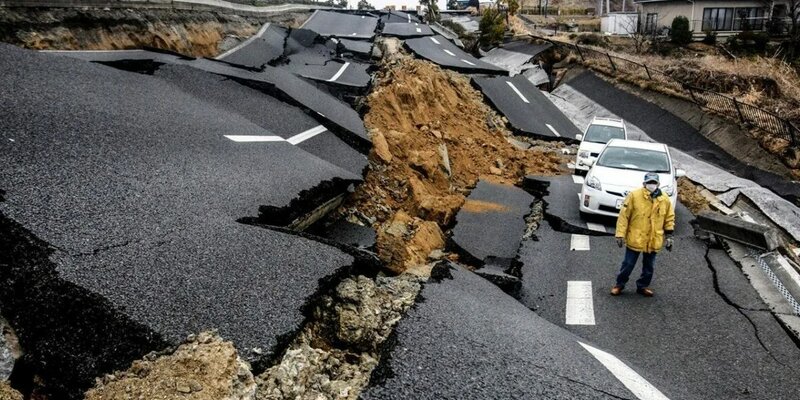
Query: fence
(746, 114)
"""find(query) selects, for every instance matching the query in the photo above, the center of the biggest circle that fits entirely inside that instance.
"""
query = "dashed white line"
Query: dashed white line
(353, 34)
(514, 88)
(640, 387)
(303, 136)
(254, 138)
(435, 41)
(580, 307)
(577, 179)
(409, 18)
(467, 62)
(579, 242)
(449, 52)
(595, 227)
(555, 132)
(339, 72)
(419, 30)
(416, 24)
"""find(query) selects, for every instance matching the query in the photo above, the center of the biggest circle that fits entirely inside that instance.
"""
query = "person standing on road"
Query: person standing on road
(645, 220)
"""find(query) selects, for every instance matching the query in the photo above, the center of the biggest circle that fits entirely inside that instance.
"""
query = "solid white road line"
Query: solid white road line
(595, 227)
(580, 308)
(467, 62)
(254, 138)
(514, 88)
(303, 136)
(449, 52)
(339, 72)
(579, 242)
(553, 130)
(633, 381)
(577, 179)
(435, 41)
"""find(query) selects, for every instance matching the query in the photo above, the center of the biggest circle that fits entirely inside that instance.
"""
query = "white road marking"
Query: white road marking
(449, 52)
(409, 18)
(468, 62)
(555, 132)
(419, 30)
(595, 227)
(577, 179)
(580, 308)
(579, 242)
(339, 72)
(435, 41)
(362, 17)
(514, 88)
(415, 23)
(254, 138)
(303, 136)
(640, 387)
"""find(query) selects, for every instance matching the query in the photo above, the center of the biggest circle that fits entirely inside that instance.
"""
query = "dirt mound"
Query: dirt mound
(689, 195)
(204, 368)
(434, 137)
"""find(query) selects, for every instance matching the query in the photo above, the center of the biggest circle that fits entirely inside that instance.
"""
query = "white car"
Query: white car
(597, 134)
(620, 168)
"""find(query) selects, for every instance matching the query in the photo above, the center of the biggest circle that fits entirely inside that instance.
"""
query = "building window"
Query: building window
(733, 19)
(651, 23)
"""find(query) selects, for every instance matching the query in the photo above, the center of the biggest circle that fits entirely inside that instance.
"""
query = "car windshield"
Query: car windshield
(603, 133)
(635, 159)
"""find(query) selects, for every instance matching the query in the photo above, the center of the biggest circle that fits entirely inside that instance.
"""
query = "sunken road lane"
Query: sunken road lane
(327, 23)
(705, 334)
(120, 200)
(441, 51)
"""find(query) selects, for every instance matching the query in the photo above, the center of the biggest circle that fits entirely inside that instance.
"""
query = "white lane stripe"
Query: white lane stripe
(409, 18)
(467, 62)
(415, 23)
(449, 52)
(595, 227)
(514, 88)
(580, 308)
(640, 387)
(339, 72)
(435, 41)
(553, 130)
(254, 138)
(577, 179)
(579, 242)
(303, 136)
(419, 30)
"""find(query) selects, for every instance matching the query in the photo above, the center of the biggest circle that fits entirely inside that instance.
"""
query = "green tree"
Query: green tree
(342, 4)
(680, 32)
(364, 5)
(513, 6)
(432, 10)
(492, 27)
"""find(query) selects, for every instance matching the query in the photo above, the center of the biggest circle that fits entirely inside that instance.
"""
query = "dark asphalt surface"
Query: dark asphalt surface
(521, 46)
(359, 47)
(495, 229)
(310, 56)
(439, 50)
(260, 49)
(397, 16)
(687, 341)
(306, 94)
(665, 127)
(468, 340)
(406, 30)
(265, 111)
(129, 179)
(328, 23)
(529, 111)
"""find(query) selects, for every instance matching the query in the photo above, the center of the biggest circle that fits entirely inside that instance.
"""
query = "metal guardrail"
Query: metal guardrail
(746, 114)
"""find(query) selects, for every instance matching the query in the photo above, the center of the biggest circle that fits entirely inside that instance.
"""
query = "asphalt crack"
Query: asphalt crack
(741, 310)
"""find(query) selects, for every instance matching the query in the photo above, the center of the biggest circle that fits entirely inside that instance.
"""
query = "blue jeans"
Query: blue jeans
(631, 256)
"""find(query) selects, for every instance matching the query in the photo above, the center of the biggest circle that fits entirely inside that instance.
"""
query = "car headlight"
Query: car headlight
(583, 154)
(669, 190)
(594, 183)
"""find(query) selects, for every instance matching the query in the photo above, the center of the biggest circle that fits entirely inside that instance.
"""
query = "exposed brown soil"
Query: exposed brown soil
(193, 33)
(7, 393)
(204, 368)
(478, 206)
(689, 195)
(434, 138)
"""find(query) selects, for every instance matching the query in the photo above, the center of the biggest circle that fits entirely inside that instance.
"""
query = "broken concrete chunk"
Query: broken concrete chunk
(404, 242)
(9, 350)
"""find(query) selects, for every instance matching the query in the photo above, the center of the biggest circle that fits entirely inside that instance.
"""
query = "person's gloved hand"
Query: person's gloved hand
(620, 242)
(668, 243)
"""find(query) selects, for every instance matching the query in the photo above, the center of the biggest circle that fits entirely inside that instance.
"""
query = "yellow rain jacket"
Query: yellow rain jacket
(643, 220)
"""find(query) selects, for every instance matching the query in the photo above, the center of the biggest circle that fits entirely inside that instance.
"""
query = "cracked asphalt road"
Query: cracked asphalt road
(706, 333)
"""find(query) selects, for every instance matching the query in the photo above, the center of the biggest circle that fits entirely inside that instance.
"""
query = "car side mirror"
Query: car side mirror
(680, 173)
(578, 137)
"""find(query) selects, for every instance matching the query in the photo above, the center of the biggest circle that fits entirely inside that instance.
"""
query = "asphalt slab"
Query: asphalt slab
(441, 51)
(527, 109)
(406, 30)
(259, 50)
(328, 23)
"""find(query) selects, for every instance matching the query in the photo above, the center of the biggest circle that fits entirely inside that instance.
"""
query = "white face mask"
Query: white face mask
(651, 187)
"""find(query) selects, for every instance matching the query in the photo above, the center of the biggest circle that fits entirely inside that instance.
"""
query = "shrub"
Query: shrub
(492, 27)
(710, 38)
(592, 39)
(680, 32)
